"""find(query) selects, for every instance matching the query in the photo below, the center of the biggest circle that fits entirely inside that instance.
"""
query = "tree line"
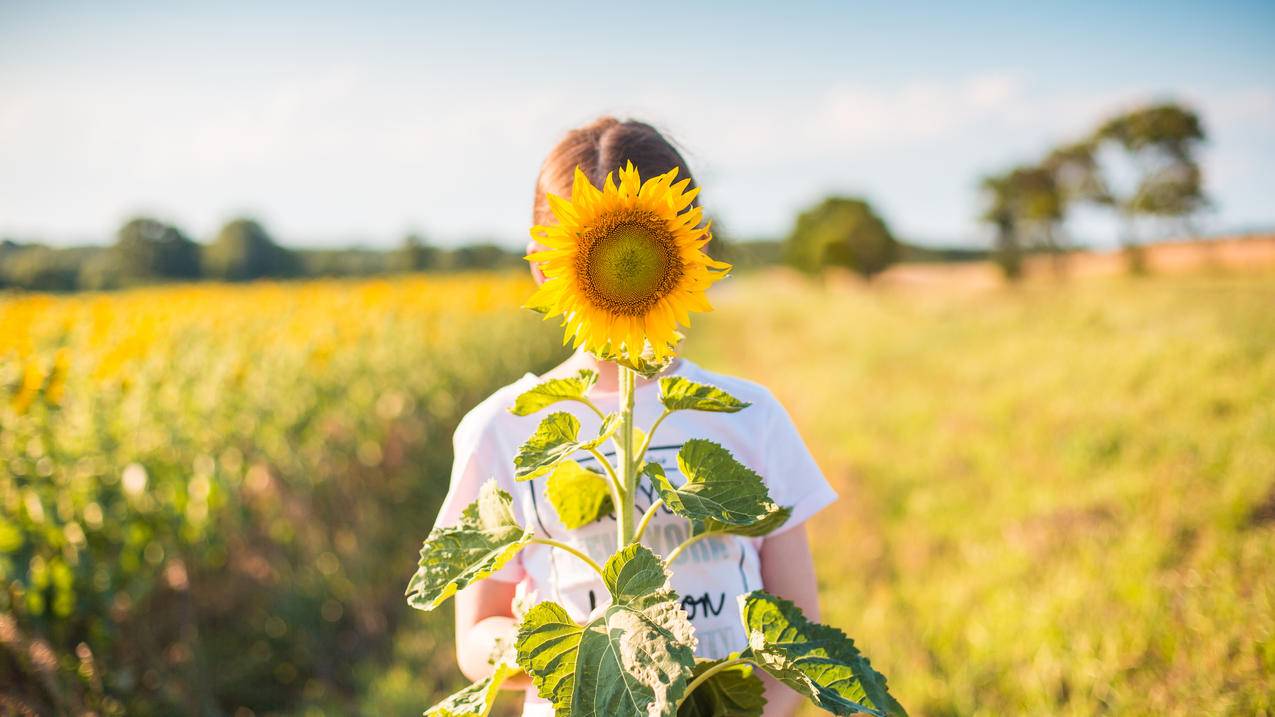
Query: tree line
(1141, 165)
(147, 250)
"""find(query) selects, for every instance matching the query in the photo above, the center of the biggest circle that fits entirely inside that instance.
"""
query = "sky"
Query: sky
(342, 124)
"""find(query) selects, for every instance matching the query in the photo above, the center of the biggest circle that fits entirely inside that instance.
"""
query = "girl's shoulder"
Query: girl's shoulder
(741, 388)
(493, 411)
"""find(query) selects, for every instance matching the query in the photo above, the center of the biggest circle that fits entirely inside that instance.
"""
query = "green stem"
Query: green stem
(703, 676)
(685, 544)
(650, 435)
(574, 551)
(585, 400)
(615, 481)
(624, 456)
(646, 518)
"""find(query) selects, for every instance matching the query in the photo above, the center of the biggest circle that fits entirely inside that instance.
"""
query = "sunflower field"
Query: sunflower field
(1056, 499)
(213, 495)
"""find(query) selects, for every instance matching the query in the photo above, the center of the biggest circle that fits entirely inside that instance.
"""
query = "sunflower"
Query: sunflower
(625, 264)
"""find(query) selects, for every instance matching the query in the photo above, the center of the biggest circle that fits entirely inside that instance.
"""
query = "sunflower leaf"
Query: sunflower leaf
(633, 660)
(678, 393)
(769, 523)
(579, 495)
(554, 390)
(556, 439)
(477, 699)
(452, 557)
(717, 488)
(816, 660)
(732, 692)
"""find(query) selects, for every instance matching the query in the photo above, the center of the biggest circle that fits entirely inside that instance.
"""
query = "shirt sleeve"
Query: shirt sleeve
(477, 460)
(792, 476)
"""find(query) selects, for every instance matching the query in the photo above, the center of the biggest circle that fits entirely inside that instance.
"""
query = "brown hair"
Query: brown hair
(600, 147)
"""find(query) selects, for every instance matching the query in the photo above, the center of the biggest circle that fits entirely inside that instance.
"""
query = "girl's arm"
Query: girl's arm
(484, 623)
(787, 570)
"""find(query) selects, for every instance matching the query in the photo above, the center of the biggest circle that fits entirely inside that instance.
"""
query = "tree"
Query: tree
(1027, 205)
(1160, 143)
(243, 251)
(999, 212)
(146, 248)
(841, 231)
(414, 254)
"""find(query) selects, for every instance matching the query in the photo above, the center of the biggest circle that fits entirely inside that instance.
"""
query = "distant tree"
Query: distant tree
(1161, 143)
(40, 268)
(1026, 206)
(243, 251)
(841, 231)
(146, 248)
(486, 255)
(999, 212)
(414, 254)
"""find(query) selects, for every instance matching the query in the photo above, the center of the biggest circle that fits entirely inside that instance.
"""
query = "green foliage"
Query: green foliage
(477, 699)
(414, 254)
(243, 250)
(147, 249)
(453, 557)
(717, 487)
(733, 691)
(632, 661)
(843, 232)
(1025, 206)
(678, 393)
(773, 520)
(1161, 143)
(578, 495)
(554, 390)
(816, 660)
(555, 440)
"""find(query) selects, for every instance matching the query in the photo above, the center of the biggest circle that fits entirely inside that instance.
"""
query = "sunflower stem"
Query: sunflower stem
(703, 676)
(626, 455)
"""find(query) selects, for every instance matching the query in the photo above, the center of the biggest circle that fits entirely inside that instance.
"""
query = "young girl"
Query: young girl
(712, 572)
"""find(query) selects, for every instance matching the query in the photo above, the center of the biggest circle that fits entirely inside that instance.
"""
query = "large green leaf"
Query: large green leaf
(732, 692)
(455, 556)
(767, 525)
(678, 393)
(717, 487)
(634, 660)
(817, 660)
(579, 495)
(575, 388)
(477, 699)
(556, 439)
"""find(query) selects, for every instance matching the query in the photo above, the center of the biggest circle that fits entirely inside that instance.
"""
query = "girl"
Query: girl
(711, 573)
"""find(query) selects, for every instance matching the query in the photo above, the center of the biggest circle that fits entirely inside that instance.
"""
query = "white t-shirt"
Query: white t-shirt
(710, 574)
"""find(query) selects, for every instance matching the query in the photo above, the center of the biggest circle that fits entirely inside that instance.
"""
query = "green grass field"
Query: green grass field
(1058, 499)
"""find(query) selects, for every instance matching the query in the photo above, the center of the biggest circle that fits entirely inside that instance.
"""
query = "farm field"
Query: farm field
(1056, 499)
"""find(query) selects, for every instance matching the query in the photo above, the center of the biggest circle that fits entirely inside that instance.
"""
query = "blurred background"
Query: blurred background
(1011, 269)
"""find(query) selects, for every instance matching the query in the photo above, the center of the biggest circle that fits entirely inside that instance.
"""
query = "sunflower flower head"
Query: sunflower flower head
(625, 264)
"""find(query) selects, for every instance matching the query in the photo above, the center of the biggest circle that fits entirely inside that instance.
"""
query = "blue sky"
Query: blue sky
(340, 124)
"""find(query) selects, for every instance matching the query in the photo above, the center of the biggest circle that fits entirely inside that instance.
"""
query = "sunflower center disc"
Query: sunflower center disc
(631, 266)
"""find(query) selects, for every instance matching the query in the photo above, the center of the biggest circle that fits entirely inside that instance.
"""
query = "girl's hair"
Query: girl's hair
(600, 147)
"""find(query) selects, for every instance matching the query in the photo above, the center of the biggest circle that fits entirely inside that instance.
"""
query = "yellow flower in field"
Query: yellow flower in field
(625, 264)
